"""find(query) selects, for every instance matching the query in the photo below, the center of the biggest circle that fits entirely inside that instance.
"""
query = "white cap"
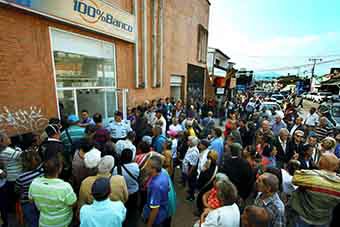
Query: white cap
(92, 158)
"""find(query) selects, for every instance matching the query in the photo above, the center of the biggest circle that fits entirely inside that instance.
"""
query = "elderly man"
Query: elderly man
(118, 185)
(297, 126)
(263, 130)
(278, 125)
(322, 130)
(318, 193)
(280, 142)
(268, 186)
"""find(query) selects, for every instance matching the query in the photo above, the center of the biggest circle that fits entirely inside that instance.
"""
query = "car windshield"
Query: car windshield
(336, 111)
(278, 97)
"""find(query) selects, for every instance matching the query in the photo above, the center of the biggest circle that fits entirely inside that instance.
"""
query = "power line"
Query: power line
(296, 66)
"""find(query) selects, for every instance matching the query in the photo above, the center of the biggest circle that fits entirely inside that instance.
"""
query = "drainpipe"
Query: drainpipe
(136, 57)
(161, 40)
(145, 43)
(154, 43)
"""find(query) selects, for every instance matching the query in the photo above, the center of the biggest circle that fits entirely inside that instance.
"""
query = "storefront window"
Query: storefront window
(85, 73)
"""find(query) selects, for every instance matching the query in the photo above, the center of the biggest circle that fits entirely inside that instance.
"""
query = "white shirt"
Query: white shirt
(125, 144)
(177, 128)
(162, 119)
(203, 159)
(287, 182)
(312, 120)
(226, 216)
(293, 130)
(283, 144)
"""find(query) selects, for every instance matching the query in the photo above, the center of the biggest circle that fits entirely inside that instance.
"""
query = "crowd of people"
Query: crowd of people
(263, 169)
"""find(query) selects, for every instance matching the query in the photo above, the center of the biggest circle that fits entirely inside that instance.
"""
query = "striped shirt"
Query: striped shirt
(24, 181)
(54, 199)
(322, 133)
(76, 133)
(10, 158)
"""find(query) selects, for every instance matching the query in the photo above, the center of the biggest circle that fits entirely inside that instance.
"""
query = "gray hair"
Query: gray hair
(156, 162)
(284, 130)
(194, 140)
(221, 177)
(226, 192)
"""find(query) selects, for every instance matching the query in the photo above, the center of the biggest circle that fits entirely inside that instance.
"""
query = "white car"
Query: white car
(271, 106)
(321, 96)
(279, 98)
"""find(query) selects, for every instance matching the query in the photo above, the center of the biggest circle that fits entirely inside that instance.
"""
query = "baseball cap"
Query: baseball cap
(101, 187)
(72, 118)
(147, 139)
(205, 142)
(92, 158)
(106, 164)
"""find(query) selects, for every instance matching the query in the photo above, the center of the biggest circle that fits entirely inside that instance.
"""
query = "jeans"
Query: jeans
(302, 223)
(4, 205)
(31, 214)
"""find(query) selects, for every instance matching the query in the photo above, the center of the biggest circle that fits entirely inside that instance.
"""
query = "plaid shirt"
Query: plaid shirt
(275, 207)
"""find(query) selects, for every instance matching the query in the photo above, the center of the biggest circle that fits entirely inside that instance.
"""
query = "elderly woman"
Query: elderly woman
(228, 214)
(210, 199)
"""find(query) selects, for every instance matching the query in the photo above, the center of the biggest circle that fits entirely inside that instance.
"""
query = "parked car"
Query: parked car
(321, 96)
(335, 111)
(279, 98)
(271, 106)
(310, 96)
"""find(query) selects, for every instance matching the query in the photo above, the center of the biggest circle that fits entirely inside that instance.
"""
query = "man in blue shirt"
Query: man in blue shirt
(118, 128)
(158, 140)
(278, 125)
(216, 143)
(155, 211)
(103, 212)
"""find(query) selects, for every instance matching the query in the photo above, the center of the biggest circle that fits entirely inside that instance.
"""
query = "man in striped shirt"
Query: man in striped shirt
(53, 197)
(34, 169)
(322, 131)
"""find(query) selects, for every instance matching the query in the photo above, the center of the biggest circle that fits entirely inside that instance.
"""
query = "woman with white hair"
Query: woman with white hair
(228, 214)
(189, 165)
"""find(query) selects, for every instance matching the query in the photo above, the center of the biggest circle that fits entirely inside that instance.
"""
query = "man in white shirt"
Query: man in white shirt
(160, 120)
(312, 119)
(297, 126)
(127, 144)
(204, 151)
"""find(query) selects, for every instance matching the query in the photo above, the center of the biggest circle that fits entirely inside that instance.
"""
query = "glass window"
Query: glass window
(82, 62)
(83, 66)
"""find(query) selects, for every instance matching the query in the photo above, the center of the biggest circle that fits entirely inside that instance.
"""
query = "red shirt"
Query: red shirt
(212, 199)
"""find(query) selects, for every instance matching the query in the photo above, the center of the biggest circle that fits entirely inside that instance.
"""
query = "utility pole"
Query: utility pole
(314, 60)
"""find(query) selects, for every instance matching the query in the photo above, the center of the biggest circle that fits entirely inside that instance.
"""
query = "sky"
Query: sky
(264, 35)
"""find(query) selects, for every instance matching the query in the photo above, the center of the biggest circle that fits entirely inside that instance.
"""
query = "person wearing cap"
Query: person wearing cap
(79, 169)
(127, 144)
(118, 185)
(102, 212)
(52, 146)
(203, 157)
(118, 128)
(72, 135)
(294, 147)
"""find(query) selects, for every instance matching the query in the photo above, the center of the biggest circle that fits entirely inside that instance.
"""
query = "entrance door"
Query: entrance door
(195, 85)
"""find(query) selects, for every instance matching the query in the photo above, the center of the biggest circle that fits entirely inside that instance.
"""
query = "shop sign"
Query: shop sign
(219, 91)
(96, 15)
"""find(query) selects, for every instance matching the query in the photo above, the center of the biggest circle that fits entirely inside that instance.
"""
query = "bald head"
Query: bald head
(329, 162)
(265, 125)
